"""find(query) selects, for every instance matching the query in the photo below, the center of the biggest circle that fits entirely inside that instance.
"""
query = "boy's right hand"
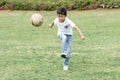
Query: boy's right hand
(51, 25)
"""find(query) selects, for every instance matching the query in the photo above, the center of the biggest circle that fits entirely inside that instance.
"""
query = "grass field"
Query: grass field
(29, 53)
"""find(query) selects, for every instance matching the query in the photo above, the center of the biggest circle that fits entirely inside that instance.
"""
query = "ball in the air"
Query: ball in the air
(36, 20)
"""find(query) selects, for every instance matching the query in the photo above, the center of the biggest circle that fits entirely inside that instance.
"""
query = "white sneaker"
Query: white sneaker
(65, 68)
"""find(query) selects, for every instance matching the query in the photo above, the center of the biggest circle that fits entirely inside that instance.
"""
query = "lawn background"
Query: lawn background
(29, 53)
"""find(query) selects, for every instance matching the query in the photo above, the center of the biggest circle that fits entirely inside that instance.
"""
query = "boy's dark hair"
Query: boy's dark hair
(62, 11)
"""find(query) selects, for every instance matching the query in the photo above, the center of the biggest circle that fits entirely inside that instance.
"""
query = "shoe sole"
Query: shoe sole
(63, 56)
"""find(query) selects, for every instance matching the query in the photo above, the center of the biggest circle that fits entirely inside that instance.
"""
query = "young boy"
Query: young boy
(65, 32)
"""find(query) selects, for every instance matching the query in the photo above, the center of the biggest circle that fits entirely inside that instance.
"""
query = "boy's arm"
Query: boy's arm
(79, 32)
(51, 25)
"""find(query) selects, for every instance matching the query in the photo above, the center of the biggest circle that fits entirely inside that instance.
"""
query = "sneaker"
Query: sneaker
(65, 68)
(63, 55)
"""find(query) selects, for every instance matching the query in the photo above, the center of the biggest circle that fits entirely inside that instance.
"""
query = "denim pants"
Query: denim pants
(66, 41)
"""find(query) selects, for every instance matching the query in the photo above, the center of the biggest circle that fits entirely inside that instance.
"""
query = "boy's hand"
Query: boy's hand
(82, 38)
(51, 25)
(80, 33)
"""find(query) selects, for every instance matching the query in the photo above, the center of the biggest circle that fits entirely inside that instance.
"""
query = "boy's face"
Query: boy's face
(61, 17)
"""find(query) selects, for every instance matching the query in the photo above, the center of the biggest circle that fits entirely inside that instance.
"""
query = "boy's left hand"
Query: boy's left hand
(82, 38)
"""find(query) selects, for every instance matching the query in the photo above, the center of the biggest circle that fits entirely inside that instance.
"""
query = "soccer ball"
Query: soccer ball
(36, 20)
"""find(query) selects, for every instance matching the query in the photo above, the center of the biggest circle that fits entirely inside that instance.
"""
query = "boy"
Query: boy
(65, 32)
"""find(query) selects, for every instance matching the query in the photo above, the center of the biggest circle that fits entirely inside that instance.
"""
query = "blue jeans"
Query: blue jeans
(66, 41)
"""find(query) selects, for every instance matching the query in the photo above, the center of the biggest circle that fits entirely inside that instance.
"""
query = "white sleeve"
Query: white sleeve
(55, 21)
(72, 24)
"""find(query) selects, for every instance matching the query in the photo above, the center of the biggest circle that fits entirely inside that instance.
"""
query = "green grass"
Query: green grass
(29, 53)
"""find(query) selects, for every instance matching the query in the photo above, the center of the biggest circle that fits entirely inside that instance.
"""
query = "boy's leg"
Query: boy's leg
(68, 51)
(66, 48)
(63, 42)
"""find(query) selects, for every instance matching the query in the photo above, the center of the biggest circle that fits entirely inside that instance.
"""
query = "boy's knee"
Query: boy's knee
(62, 37)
